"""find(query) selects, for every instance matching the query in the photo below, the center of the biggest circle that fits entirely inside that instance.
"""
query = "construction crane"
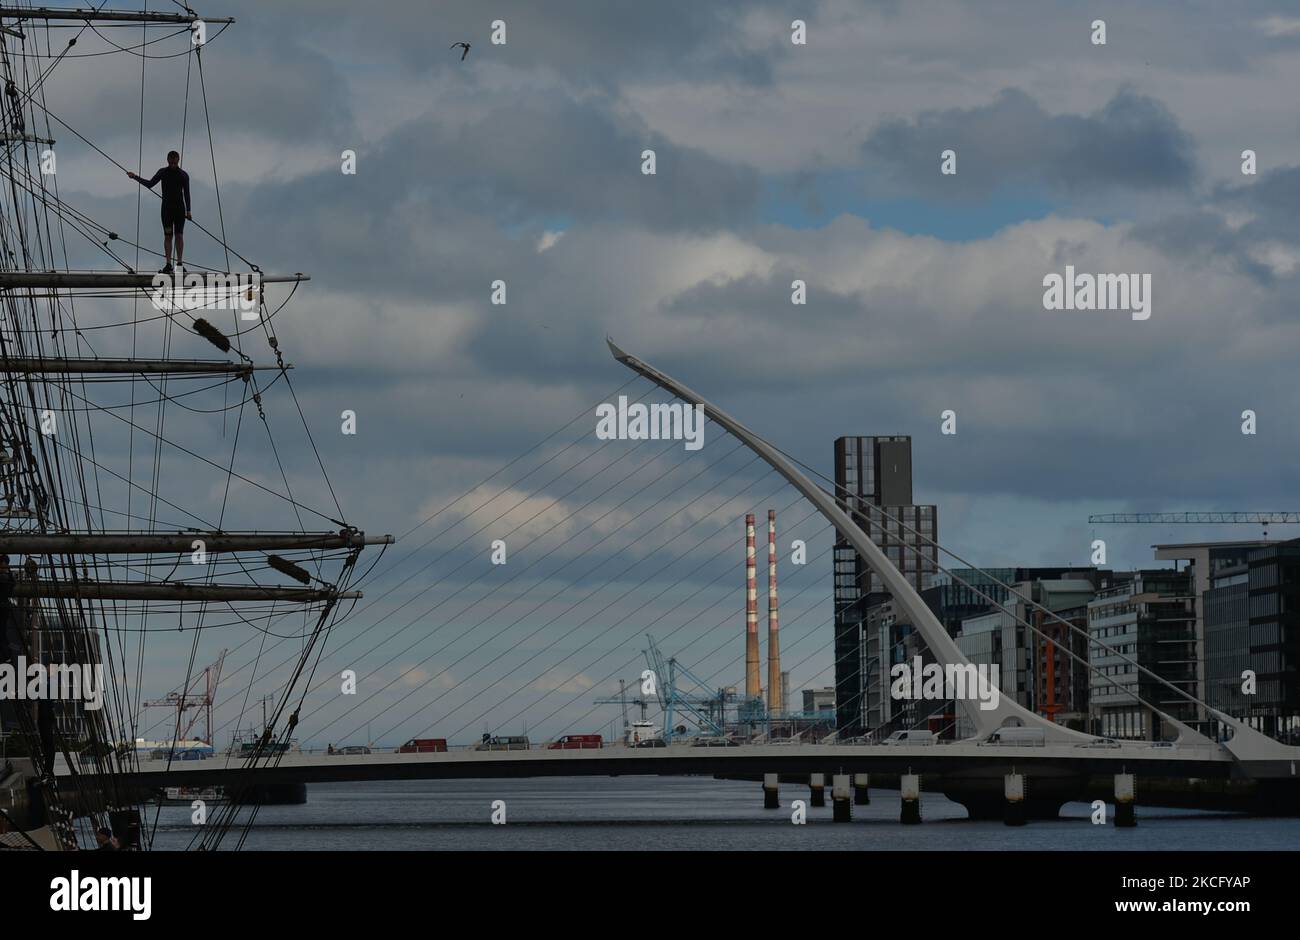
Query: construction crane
(706, 711)
(1198, 518)
(624, 701)
(189, 698)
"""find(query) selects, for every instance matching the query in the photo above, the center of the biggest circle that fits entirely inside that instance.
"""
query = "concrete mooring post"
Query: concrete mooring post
(910, 786)
(840, 805)
(817, 786)
(861, 795)
(771, 791)
(1125, 791)
(1014, 787)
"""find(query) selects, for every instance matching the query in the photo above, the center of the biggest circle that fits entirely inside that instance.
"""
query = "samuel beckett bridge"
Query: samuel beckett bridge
(1014, 763)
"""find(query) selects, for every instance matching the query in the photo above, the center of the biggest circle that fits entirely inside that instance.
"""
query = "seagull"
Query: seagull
(463, 45)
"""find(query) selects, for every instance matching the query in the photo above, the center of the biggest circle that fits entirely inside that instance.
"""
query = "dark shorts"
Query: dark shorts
(173, 218)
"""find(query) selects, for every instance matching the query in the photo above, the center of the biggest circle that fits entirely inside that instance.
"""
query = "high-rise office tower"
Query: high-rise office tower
(873, 483)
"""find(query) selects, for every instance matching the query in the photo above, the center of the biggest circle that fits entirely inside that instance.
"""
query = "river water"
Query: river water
(685, 813)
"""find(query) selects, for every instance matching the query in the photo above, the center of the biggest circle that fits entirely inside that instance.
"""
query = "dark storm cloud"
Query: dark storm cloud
(587, 41)
(1132, 142)
(253, 81)
(1273, 200)
(1201, 236)
(1270, 204)
(466, 165)
(267, 84)
(430, 197)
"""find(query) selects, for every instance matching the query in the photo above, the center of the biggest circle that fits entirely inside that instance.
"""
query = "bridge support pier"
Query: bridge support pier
(840, 805)
(817, 788)
(1125, 817)
(1014, 787)
(861, 795)
(771, 791)
(910, 787)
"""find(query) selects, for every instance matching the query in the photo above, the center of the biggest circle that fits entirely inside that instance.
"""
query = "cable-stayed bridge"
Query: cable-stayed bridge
(593, 555)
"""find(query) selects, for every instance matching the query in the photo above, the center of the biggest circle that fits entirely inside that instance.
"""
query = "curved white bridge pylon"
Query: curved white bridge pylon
(1259, 755)
(945, 650)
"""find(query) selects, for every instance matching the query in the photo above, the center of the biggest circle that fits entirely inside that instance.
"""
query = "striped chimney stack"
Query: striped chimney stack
(753, 687)
(774, 703)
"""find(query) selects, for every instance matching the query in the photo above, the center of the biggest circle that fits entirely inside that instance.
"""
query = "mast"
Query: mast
(35, 543)
(77, 15)
(57, 366)
(144, 591)
(61, 488)
(63, 280)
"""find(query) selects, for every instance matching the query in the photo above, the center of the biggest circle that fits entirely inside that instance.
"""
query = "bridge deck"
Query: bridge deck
(742, 761)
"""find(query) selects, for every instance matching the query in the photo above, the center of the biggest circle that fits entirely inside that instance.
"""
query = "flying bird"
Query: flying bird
(463, 45)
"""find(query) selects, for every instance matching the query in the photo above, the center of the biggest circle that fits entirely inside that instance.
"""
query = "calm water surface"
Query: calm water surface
(687, 813)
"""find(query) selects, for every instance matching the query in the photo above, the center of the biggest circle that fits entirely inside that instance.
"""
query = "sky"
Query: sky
(775, 162)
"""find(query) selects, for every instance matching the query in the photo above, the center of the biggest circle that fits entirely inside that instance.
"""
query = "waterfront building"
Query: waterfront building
(873, 479)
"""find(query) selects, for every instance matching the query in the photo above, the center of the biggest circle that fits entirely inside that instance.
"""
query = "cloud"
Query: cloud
(523, 164)
(1132, 142)
(1274, 26)
(570, 684)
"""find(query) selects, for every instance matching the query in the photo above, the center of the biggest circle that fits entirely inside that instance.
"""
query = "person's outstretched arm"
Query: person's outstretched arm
(150, 183)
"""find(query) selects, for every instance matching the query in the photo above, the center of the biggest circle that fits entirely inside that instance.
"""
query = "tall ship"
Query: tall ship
(161, 492)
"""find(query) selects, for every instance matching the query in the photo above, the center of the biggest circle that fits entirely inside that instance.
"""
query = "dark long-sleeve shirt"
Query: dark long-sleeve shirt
(175, 187)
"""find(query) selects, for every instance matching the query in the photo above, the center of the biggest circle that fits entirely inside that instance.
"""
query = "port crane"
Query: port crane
(706, 711)
(624, 702)
(189, 698)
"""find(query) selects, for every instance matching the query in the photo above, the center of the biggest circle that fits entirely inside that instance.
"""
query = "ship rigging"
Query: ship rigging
(133, 517)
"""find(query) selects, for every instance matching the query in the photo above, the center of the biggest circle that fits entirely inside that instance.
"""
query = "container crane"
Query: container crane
(189, 698)
(706, 711)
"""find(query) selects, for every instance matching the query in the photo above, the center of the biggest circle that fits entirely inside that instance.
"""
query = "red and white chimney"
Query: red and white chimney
(753, 685)
(774, 703)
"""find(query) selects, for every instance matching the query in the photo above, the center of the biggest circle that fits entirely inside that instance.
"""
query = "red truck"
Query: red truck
(423, 746)
(576, 741)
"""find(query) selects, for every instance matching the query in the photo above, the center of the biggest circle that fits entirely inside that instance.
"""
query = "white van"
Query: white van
(1017, 737)
(909, 737)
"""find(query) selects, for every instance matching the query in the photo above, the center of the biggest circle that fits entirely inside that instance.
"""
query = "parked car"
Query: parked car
(909, 738)
(713, 741)
(503, 743)
(576, 742)
(422, 746)
(1101, 742)
(1017, 737)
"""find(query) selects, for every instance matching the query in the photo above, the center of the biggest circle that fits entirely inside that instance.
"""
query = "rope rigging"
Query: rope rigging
(57, 483)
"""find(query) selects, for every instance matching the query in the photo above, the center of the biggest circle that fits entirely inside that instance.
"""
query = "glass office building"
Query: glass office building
(1252, 626)
(873, 483)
